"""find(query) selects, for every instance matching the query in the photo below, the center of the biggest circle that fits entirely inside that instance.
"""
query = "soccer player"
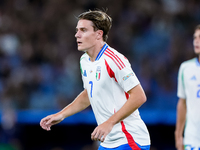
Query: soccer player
(188, 110)
(110, 87)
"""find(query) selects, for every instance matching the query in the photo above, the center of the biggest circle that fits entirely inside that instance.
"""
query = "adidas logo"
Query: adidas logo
(193, 78)
(84, 73)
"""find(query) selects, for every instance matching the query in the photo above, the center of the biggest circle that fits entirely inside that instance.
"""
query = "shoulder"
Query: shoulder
(187, 66)
(188, 63)
(114, 53)
(115, 58)
(84, 57)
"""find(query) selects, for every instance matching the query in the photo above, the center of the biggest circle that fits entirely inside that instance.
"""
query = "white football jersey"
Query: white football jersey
(107, 81)
(189, 89)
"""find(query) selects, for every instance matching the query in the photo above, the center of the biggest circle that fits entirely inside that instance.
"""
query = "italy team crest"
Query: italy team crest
(98, 73)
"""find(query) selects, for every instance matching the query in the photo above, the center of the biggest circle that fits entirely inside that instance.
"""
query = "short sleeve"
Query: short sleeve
(181, 86)
(83, 72)
(125, 76)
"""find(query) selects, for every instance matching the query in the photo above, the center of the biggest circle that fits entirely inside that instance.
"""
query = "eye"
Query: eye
(83, 29)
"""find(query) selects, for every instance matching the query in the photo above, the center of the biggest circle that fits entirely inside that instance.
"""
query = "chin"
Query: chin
(197, 52)
(80, 49)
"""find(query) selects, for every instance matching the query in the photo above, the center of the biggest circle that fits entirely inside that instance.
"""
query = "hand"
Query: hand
(50, 120)
(179, 143)
(101, 131)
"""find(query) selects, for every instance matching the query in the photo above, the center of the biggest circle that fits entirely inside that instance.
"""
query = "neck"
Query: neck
(94, 51)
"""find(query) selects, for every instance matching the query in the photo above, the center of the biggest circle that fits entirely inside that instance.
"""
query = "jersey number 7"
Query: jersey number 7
(92, 88)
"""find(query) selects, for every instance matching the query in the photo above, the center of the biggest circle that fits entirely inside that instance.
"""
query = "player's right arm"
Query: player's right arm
(180, 123)
(80, 103)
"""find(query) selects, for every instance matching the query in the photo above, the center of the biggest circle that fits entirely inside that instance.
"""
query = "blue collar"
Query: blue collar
(101, 52)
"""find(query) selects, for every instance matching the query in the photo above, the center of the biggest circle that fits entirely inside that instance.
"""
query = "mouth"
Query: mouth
(79, 43)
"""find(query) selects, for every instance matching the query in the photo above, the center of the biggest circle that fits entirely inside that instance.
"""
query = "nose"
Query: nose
(77, 34)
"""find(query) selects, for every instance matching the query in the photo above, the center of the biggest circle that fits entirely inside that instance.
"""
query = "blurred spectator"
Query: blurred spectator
(8, 135)
(38, 53)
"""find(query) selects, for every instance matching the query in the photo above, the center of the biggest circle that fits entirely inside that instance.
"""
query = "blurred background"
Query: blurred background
(39, 66)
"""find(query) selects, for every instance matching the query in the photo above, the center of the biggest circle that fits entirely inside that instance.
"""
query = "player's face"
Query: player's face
(196, 42)
(85, 35)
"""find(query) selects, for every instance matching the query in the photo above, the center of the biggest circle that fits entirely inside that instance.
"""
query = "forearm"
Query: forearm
(136, 99)
(181, 118)
(80, 103)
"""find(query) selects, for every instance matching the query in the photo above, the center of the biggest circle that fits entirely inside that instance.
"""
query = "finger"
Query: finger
(48, 128)
(44, 127)
(99, 136)
(103, 138)
(94, 135)
(44, 120)
(49, 122)
(43, 123)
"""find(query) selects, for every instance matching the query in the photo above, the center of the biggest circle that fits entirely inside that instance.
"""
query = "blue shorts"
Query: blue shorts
(125, 147)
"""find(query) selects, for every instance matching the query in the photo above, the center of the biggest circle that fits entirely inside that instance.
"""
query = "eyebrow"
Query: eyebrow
(81, 28)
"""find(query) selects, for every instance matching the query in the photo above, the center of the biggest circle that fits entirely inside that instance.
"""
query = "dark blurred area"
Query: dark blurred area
(39, 66)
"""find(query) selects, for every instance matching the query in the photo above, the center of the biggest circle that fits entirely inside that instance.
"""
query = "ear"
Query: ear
(99, 34)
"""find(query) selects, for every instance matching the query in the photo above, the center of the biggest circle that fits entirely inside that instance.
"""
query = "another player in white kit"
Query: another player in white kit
(188, 112)
(110, 87)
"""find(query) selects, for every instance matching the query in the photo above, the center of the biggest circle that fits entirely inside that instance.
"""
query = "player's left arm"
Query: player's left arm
(136, 99)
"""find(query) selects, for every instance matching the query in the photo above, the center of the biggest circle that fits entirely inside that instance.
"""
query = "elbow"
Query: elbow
(143, 99)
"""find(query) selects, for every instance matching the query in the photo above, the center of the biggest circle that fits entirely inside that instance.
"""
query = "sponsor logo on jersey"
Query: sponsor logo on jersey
(98, 73)
(127, 76)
